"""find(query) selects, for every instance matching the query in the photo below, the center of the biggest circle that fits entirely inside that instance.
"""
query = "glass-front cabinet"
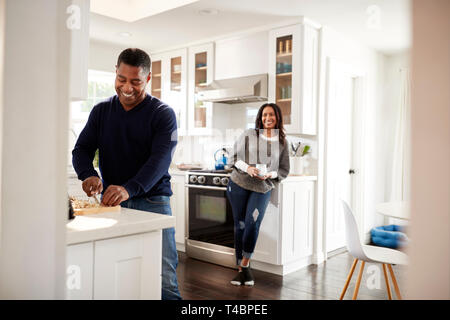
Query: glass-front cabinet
(201, 68)
(283, 80)
(156, 83)
(293, 58)
(169, 83)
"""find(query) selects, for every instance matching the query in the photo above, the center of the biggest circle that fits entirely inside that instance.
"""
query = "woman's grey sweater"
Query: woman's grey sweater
(253, 149)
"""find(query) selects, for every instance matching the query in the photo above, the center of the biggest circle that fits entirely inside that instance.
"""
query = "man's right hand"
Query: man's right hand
(92, 185)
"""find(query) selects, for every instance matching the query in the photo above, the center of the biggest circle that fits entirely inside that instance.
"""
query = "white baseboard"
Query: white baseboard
(282, 269)
(181, 247)
(318, 258)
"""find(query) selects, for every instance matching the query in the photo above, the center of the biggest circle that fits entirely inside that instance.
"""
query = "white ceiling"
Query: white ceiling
(357, 19)
(133, 10)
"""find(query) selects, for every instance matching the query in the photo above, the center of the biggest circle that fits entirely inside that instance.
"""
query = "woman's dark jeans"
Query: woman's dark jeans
(248, 211)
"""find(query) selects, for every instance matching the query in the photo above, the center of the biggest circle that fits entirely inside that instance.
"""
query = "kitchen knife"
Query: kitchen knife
(96, 199)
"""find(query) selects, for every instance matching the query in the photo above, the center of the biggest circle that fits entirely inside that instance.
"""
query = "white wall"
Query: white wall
(103, 56)
(35, 126)
(387, 115)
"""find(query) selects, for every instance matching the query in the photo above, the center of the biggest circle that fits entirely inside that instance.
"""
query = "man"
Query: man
(136, 135)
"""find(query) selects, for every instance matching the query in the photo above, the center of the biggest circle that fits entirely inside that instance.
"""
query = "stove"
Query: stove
(209, 178)
(209, 218)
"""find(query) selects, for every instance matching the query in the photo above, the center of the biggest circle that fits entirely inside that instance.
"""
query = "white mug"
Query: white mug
(262, 167)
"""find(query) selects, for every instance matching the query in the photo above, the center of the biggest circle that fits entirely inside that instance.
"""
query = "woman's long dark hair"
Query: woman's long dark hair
(278, 116)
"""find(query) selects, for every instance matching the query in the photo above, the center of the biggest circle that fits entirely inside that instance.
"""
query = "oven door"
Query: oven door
(210, 216)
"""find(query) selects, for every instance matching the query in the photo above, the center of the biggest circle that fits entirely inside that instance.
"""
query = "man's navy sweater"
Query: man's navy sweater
(135, 146)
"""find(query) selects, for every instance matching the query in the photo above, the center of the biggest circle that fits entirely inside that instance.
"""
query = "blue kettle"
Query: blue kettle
(221, 158)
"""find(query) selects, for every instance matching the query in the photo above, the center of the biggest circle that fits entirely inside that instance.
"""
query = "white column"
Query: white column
(429, 270)
(2, 54)
(35, 127)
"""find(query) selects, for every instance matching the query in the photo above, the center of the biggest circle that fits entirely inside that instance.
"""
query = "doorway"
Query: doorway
(342, 140)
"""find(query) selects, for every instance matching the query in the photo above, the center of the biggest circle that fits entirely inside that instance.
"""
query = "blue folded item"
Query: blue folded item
(390, 236)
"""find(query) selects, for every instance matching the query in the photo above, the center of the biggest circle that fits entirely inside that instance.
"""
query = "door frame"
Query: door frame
(358, 138)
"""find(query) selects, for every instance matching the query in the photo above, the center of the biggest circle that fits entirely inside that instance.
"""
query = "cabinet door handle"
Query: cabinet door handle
(351, 171)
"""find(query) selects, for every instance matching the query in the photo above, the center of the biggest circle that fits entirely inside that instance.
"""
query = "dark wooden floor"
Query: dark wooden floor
(200, 280)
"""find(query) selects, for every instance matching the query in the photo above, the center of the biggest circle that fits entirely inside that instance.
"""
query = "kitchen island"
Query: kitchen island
(115, 255)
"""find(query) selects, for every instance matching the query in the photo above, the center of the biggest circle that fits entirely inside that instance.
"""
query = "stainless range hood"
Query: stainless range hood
(236, 90)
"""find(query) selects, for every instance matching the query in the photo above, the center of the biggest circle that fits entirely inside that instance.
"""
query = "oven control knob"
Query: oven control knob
(193, 179)
(224, 181)
(201, 180)
(216, 181)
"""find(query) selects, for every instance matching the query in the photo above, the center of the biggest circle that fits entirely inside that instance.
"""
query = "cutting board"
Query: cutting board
(85, 211)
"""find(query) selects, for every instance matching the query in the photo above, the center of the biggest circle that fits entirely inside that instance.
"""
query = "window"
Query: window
(100, 87)
(251, 117)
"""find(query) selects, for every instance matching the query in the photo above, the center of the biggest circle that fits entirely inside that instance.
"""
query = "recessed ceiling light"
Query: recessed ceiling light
(125, 34)
(208, 12)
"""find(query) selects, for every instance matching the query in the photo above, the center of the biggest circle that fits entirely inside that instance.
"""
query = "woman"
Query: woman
(250, 188)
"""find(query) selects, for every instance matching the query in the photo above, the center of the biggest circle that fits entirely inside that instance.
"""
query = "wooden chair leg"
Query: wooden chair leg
(388, 287)
(397, 290)
(358, 282)
(349, 277)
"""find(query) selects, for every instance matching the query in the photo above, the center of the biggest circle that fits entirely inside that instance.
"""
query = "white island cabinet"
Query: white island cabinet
(115, 255)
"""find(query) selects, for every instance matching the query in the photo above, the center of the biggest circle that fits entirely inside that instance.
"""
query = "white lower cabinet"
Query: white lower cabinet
(266, 249)
(286, 232)
(128, 267)
(297, 220)
(120, 268)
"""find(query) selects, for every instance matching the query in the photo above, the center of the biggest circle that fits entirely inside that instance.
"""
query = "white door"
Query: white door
(340, 102)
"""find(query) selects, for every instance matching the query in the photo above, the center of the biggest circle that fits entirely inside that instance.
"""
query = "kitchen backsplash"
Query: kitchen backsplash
(201, 149)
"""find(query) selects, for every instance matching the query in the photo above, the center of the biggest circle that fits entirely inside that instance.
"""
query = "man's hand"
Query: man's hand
(92, 185)
(114, 195)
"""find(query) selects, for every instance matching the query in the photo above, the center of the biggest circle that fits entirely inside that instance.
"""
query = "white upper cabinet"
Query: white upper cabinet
(309, 80)
(201, 73)
(241, 56)
(169, 83)
(293, 71)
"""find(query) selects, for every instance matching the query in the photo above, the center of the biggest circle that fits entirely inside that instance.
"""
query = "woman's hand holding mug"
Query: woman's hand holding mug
(252, 171)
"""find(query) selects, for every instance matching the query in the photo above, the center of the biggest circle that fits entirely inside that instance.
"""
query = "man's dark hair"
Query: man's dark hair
(135, 57)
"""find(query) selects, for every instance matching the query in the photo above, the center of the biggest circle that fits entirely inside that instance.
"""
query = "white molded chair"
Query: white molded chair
(367, 253)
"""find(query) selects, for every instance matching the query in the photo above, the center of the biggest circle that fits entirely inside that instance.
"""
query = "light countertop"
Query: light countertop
(177, 172)
(115, 224)
(292, 178)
